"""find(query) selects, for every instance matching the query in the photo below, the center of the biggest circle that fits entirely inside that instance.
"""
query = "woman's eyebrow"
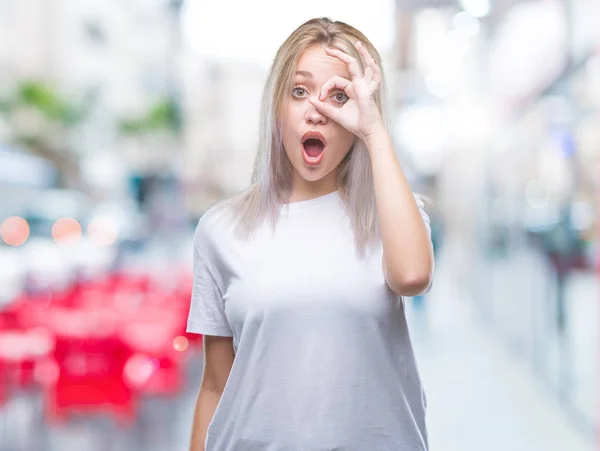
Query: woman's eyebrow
(304, 73)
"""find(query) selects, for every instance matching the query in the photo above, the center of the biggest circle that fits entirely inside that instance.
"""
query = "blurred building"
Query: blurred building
(117, 59)
(497, 109)
(222, 108)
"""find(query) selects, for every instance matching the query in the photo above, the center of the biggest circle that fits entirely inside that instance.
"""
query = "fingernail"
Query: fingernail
(358, 43)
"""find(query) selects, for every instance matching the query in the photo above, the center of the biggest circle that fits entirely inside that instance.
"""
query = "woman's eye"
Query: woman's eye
(298, 92)
(340, 97)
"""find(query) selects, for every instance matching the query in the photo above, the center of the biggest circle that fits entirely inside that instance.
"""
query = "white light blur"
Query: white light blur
(537, 194)
(416, 131)
(253, 31)
(103, 230)
(430, 39)
(470, 123)
(104, 170)
(458, 44)
(521, 61)
(466, 24)
(436, 85)
(476, 8)
(440, 52)
(420, 139)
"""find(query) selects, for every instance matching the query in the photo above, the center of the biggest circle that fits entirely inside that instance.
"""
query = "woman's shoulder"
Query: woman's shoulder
(216, 221)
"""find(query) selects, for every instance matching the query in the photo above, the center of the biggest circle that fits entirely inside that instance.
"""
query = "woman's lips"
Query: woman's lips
(313, 147)
(313, 134)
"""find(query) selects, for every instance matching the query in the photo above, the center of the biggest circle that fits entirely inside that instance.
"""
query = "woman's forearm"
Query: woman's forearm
(408, 256)
(203, 414)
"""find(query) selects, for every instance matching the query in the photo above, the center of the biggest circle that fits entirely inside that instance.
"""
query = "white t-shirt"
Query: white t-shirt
(323, 356)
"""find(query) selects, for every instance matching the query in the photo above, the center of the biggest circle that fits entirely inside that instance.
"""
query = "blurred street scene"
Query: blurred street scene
(122, 121)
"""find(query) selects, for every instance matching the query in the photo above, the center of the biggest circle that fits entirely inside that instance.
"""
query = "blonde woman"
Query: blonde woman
(298, 280)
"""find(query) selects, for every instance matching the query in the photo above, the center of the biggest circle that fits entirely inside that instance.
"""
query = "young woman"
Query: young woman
(298, 281)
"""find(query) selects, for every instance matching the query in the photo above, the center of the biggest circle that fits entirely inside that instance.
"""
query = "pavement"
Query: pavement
(483, 392)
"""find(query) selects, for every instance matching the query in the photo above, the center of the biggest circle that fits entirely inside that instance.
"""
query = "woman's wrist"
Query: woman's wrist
(378, 140)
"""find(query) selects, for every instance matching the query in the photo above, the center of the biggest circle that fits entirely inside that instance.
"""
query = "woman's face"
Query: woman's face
(314, 144)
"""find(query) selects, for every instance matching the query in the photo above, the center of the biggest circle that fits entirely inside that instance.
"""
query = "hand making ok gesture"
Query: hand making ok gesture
(360, 113)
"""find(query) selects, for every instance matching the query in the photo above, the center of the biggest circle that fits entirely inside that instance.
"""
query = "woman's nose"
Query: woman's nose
(314, 116)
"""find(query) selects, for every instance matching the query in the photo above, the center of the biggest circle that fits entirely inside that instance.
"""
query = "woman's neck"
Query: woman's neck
(310, 190)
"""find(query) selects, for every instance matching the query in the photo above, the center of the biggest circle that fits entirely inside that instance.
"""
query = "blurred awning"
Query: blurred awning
(18, 168)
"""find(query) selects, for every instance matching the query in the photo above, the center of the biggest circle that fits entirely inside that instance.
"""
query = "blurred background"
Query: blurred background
(121, 121)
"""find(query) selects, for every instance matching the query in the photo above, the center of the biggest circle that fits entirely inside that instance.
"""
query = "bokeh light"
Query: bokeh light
(14, 231)
(66, 229)
(180, 343)
(138, 369)
(102, 231)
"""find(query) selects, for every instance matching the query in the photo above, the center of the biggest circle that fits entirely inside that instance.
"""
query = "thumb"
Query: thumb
(324, 108)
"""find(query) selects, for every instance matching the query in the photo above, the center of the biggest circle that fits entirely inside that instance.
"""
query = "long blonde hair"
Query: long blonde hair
(271, 183)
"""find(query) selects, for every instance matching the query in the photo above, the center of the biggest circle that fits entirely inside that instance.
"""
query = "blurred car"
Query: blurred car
(69, 236)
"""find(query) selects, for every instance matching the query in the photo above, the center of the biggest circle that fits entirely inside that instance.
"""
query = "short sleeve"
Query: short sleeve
(207, 313)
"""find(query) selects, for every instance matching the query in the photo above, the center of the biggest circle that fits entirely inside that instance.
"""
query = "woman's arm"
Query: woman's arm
(407, 251)
(218, 359)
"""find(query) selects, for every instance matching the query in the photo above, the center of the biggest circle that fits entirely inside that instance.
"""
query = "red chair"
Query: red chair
(156, 365)
(90, 360)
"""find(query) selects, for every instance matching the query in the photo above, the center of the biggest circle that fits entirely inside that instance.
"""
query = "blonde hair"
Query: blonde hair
(271, 183)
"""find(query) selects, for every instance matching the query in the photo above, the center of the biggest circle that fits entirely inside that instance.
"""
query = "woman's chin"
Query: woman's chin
(313, 174)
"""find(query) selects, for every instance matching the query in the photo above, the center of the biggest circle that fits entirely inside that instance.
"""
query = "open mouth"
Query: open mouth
(313, 147)
(313, 144)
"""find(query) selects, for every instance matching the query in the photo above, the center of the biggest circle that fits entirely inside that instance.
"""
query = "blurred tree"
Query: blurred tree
(40, 120)
(162, 116)
(157, 132)
(48, 101)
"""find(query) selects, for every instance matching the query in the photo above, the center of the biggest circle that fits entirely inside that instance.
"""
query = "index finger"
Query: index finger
(352, 63)
(334, 82)
(367, 58)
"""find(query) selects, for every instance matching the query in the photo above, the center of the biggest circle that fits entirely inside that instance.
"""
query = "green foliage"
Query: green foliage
(163, 115)
(45, 99)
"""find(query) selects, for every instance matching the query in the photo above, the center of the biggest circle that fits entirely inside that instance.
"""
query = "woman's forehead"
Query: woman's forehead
(314, 63)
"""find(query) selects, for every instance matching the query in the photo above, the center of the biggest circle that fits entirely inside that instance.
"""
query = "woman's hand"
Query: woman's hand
(360, 113)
